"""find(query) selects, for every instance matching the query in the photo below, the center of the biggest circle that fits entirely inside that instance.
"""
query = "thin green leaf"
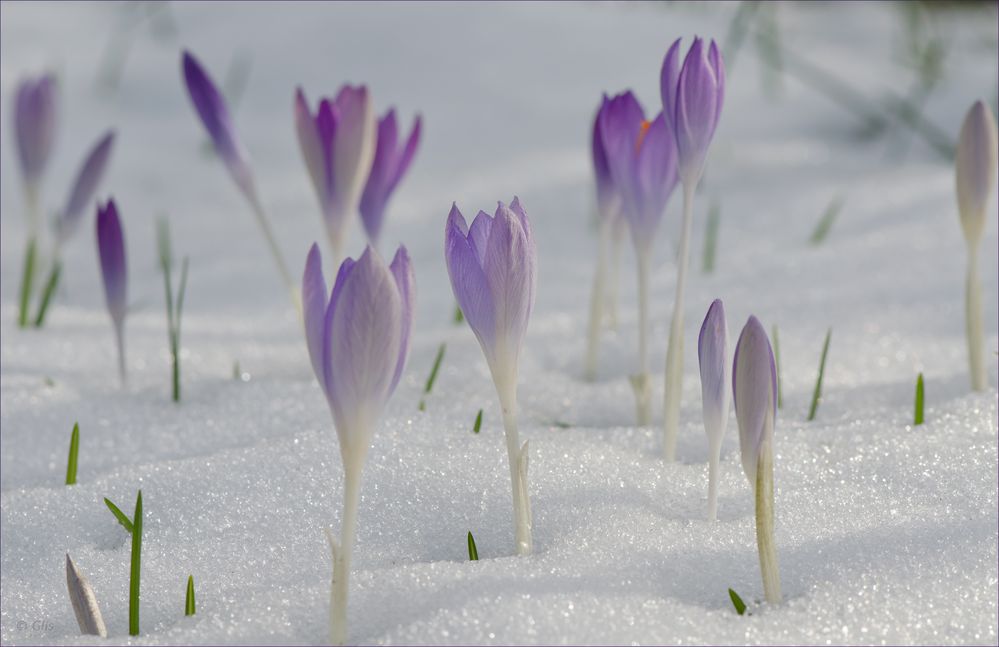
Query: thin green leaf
(189, 606)
(175, 331)
(918, 418)
(163, 247)
(133, 576)
(780, 378)
(711, 238)
(826, 221)
(817, 394)
(740, 606)
(119, 515)
(27, 279)
(433, 375)
(473, 552)
(50, 288)
(459, 316)
(74, 451)
(562, 424)
(478, 423)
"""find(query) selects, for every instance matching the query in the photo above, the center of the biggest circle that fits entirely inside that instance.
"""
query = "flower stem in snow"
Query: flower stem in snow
(598, 300)
(674, 351)
(973, 314)
(641, 382)
(343, 550)
(518, 457)
(765, 524)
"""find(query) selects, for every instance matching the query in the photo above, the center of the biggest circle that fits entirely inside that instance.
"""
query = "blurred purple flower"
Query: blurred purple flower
(338, 144)
(84, 187)
(692, 98)
(975, 169)
(608, 195)
(35, 124)
(754, 393)
(712, 346)
(114, 270)
(211, 107)
(493, 270)
(389, 166)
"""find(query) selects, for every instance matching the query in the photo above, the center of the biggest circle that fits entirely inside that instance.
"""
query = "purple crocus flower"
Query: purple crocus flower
(35, 124)
(712, 349)
(83, 188)
(607, 194)
(754, 394)
(211, 107)
(692, 98)
(114, 270)
(390, 164)
(338, 144)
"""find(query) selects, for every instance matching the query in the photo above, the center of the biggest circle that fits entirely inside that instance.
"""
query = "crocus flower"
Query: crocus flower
(35, 124)
(84, 187)
(390, 164)
(338, 144)
(114, 270)
(712, 349)
(975, 172)
(692, 96)
(692, 102)
(358, 340)
(608, 195)
(493, 271)
(754, 394)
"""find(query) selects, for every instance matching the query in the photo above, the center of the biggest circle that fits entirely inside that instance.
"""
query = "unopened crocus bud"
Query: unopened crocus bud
(338, 145)
(712, 349)
(754, 393)
(86, 183)
(692, 96)
(608, 196)
(975, 169)
(390, 164)
(35, 124)
(114, 271)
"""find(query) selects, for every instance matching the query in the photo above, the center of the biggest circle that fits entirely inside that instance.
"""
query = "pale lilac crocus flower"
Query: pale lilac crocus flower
(641, 156)
(692, 96)
(712, 356)
(391, 161)
(358, 341)
(493, 271)
(754, 394)
(211, 108)
(338, 145)
(114, 271)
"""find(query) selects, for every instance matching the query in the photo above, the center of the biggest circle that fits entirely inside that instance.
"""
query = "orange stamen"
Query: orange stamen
(641, 134)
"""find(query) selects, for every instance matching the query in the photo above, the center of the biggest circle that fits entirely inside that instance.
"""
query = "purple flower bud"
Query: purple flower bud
(607, 193)
(754, 393)
(35, 124)
(712, 347)
(390, 163)
(211, 107)
(338, 145)
(358, 338)
(493, 270)
(642, 159)
(975, 166)
(84, 187)
(111, 248)
(692, 98)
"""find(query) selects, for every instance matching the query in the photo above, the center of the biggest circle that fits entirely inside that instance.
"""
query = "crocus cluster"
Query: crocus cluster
(114, 271)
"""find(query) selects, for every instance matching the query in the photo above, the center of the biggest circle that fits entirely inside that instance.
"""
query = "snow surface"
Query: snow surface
(885, 532)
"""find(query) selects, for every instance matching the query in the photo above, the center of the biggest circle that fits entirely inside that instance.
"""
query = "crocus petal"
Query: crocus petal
(698, 106)
(606, 191)
(668, 77)
(712, 344)
(35, 124)
(754, 392)
(311, 146)
(478, 235)
(975, 169)
(314, 305)
(84, 187)
(655, 177)
(211, 107)
(375, 195)
(365, 335)
(408, 153)
(402, 271)
(353, 146)
(468, 281)
(111, 249)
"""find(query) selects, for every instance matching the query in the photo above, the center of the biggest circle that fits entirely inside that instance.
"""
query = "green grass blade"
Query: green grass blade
(477, 427)
(826, 221)
(918, 418)
(74, 451)
(817, 394)
(50, 287)
(119, 515)
(163, 250)
(133, 576)
(175, 331)
(27, 279)
(189, 606)
(459, 316)
(711, 238)
(780, 379)
(473, 552)
(740, 606)
(433, 376)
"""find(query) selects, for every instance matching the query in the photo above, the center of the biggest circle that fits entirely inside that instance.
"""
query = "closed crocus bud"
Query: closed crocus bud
(754, 393)
(712, 348)
(608, 196)
(84, 187)
(211, 107)
(338, 145)
(692, 96)
(114, 271)
(975, 166)
(391, 161)
(35, 124)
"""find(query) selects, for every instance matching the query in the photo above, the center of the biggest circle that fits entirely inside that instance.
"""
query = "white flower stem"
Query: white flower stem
(714, 448)
(674, 351)
(342, 552)
(517, 455)
(617, 235)
(265, 228)
(597, 300)
(975, 325)
(119, 334)
(764, 491)
(641, 382)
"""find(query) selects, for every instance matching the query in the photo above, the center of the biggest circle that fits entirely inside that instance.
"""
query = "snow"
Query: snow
(886, 533)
